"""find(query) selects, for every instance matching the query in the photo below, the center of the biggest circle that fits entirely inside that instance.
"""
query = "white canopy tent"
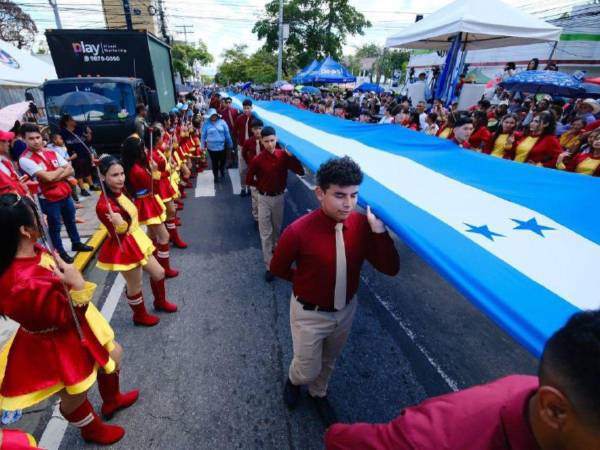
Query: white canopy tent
(484, 24)
(19, 70)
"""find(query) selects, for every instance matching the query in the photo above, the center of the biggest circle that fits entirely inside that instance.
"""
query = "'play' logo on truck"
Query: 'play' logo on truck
(86, 49)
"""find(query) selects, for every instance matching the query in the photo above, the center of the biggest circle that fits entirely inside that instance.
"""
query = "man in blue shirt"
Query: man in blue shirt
(216, 138)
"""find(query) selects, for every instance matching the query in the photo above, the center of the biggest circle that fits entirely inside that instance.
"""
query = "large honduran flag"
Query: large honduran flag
(521, 242)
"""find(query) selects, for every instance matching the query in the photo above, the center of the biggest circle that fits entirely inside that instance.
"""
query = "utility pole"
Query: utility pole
(54, 6)
(127, 10)
(163, 23)
(185, 31)
(280, 51)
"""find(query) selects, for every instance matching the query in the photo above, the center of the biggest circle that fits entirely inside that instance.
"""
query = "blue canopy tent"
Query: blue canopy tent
(299, 78)
(329, 71)
(368, 87)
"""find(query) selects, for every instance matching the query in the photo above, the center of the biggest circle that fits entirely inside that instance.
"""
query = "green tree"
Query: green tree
(318, 28)
(18, 28)
(186, 56)
(237, 65)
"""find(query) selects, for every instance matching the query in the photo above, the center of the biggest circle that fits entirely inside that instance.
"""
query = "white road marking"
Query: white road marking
(205, 184)
(57, 425)
(234, 174)
(452, 384)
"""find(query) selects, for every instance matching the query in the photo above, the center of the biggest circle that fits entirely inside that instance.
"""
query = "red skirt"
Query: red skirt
(135, 249)
(151, 209)
(164, 189)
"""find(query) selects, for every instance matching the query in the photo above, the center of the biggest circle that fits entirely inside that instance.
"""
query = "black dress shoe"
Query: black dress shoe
(269, 276)
(66, 258)
(81, 247)
(325, 410)
(291, 394)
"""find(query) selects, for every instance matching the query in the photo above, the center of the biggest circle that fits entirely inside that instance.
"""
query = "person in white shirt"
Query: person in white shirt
(432, 127)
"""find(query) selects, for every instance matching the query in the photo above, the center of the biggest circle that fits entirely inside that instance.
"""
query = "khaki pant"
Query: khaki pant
(242, 167)
(318, 338)
(254, 197)
(270, 218)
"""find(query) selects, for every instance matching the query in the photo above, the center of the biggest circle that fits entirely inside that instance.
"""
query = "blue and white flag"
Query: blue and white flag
(520, 241)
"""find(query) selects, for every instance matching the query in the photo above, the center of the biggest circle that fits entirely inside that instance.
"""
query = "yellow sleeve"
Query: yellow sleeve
(83, 296)
(122, 228)
(156, 175)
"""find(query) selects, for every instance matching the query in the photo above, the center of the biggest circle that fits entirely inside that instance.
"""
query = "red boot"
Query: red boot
(92, 428)
(113, 400)
(179, 205)
(177, 221)
(174, 235)
(162, 256)
(188, 183)
(182, 192)
(140, 315)
(160, 297)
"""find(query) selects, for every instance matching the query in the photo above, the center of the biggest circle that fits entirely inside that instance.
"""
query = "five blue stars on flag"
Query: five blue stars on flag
(526, 225)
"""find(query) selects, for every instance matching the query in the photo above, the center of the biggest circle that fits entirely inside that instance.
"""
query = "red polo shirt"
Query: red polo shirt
(310, 243)
(488, 417)
(268, 171)
(249, 149)
(241, 122)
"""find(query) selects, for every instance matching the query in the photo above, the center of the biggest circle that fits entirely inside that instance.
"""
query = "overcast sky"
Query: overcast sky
(223, 23)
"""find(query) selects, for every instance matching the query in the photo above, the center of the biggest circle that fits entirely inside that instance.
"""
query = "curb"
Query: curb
(82, 259)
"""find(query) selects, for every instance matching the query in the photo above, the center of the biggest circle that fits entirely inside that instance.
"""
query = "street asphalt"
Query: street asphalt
(211, 376)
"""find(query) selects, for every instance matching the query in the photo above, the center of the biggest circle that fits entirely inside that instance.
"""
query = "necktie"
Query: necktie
(257, 147)
(339, 297)
(246, 128)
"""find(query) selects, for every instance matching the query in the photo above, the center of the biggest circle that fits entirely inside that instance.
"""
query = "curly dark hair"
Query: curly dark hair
(571, 362)
(340, 171)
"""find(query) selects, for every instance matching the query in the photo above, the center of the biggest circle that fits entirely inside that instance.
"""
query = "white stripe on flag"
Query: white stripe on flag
(205, 184)
(560, 262)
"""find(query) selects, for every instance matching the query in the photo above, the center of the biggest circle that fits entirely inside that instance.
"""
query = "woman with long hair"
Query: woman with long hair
(59, 348)
(569, 140)
(481, 134)
(587, 162)
(164, 186)
(540, 146)
(139, 173)
(505, 137)
(446, 131)
(127, 249)
(414, 121)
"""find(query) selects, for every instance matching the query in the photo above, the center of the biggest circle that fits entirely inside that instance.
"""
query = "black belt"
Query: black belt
(270, 194)
(312, 307)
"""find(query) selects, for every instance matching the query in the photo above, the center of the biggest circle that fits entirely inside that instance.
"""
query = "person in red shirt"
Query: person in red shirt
(557, 410)
(242, 133)
(251, 148)
(322, 253)
(268, 173)
(481, 135)
(9, 179)
(229, 114)
(463, 128)
(541, 146)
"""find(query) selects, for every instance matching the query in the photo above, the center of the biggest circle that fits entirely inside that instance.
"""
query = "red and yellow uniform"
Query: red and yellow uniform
(480, 137)
(541, 150)
(446, 133)
(127, 246)
(163, 185)
(16, 440)
(585, 164)
(46, 354)
(499, 148)
(150, 207)
(570, 139)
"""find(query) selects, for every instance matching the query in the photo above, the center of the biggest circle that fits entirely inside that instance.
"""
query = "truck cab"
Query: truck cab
(105, 104)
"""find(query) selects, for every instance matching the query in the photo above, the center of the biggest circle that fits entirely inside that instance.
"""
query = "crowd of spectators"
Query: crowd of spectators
(557, 133)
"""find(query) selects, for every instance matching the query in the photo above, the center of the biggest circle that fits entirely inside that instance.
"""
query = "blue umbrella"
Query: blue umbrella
(310, 90)
(591, 90)
(368, 87)
(545, 82)
(247, 85)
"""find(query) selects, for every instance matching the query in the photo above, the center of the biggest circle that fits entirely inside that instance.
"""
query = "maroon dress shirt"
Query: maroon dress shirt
(240, 128)
(310, 243)
(268, 171)
(249, 149)
(488, 417)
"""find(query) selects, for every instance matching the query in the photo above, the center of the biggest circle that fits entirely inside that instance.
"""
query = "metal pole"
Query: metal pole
(54, 6)
(280, 51)
(127, 11)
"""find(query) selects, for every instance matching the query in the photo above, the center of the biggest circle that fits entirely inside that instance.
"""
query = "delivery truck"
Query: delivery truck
(102, 75)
